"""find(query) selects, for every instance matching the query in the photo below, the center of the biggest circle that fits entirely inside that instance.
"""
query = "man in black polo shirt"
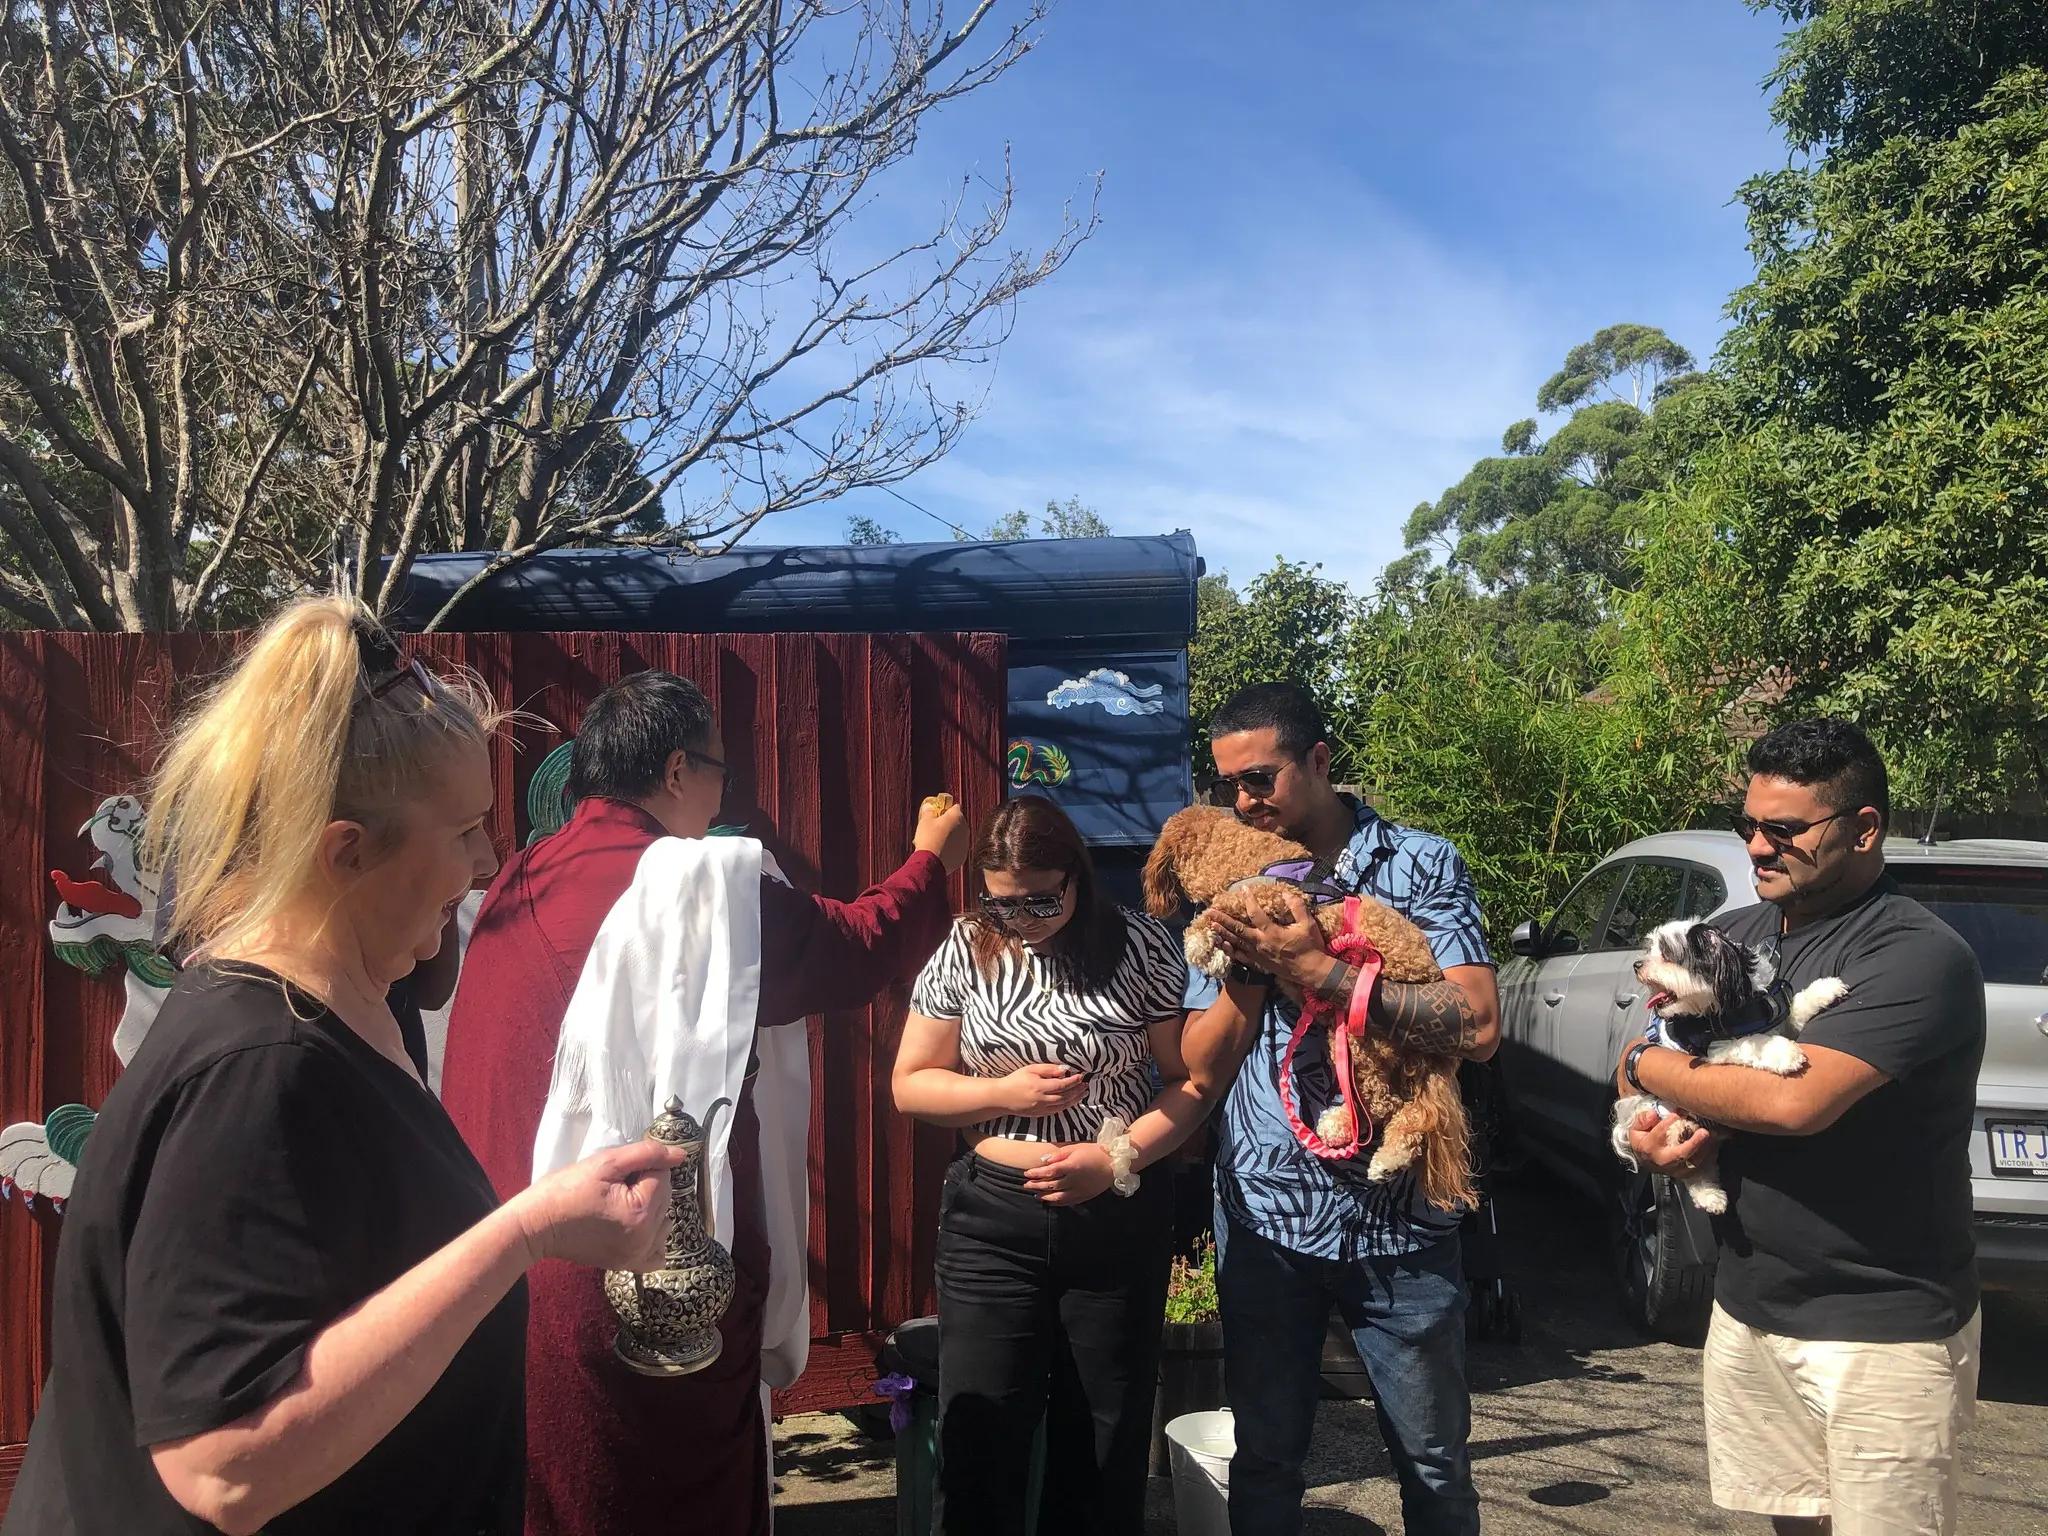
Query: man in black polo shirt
(1841, 1364)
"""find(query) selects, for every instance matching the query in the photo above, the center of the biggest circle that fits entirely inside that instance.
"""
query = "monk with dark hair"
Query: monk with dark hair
(609, 1452)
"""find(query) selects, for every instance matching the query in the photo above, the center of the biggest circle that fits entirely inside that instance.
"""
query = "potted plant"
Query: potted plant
(1190, 1349)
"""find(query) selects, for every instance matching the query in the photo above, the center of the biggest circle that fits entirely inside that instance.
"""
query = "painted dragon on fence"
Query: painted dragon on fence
(106, 919)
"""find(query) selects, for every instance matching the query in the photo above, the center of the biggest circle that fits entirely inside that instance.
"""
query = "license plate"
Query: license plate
(2018, 1147)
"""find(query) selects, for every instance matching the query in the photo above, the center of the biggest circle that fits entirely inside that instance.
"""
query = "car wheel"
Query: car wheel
(1664, 1295)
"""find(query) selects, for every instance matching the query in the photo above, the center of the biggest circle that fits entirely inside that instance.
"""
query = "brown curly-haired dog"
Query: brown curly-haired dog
(1206, 855)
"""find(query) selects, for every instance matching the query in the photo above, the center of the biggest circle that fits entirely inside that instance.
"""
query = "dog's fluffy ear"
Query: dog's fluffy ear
(1162, 888)
(1667, 940)
(1721, 963)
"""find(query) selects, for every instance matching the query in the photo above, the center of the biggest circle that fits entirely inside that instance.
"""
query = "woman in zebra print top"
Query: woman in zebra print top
(1047, 1011)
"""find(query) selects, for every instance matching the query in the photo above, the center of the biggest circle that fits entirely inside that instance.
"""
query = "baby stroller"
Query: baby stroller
(1494, 1306)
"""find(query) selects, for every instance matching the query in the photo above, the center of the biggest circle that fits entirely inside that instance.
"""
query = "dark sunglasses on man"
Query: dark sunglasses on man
(1040, 904)
(1256, 782)
(1780, 834)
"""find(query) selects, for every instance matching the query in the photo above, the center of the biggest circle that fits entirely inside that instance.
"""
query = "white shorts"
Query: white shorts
(1864, 1433)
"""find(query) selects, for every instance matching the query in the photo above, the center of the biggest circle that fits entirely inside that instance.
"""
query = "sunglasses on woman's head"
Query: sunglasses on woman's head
(379, 653)
(1039, 904)
(411, 672)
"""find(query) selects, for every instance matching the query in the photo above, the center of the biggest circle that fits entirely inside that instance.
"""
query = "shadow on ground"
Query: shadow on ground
(818, 1458)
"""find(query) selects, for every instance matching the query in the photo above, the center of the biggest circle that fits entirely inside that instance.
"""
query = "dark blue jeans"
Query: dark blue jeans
(1407, 1316)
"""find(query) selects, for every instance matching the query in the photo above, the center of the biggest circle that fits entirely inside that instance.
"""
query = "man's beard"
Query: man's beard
(1817, 886)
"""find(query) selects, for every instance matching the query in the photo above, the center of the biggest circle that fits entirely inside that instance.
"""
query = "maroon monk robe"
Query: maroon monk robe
(610, 1452)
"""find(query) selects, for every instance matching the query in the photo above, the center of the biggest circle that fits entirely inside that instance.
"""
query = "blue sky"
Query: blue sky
(1340, 247)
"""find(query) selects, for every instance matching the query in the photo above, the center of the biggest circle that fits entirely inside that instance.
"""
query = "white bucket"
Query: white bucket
(1200, 1446)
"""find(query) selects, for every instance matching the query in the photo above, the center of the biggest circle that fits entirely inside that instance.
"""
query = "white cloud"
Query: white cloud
(1297, 394)
(1338, 255)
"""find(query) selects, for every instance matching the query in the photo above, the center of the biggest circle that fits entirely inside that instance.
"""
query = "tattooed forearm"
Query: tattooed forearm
(1337, 985)
(1433, 1017)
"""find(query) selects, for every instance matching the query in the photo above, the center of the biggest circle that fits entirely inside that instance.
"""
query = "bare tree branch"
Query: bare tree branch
(47, 603)
(286, 281)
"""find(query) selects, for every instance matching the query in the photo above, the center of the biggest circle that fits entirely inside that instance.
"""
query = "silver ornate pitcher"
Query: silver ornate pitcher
(669, 1318)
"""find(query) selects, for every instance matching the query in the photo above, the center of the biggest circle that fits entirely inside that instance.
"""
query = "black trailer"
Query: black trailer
(1097, 630)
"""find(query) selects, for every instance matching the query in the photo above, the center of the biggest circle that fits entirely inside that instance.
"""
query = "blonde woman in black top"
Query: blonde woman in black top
(286, 1296)
(1048, 1030)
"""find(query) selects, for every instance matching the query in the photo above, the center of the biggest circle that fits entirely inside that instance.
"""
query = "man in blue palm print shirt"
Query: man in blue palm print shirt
(1297, 1235)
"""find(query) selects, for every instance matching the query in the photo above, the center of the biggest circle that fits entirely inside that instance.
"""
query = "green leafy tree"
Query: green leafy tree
(1061, 520)
(1860, 524)
(1857, 74)
(1013, 525)
(866, 531)
(1070, 520)
(1289, 625)
(1532, 780)
(1214, 596)
(1438, 719)
(1649, 361)
(1545, 533)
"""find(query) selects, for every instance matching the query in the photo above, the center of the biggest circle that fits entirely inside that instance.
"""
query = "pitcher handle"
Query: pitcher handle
(704, 1170)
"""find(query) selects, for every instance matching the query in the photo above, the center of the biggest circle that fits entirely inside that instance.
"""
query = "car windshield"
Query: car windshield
(2002, 913)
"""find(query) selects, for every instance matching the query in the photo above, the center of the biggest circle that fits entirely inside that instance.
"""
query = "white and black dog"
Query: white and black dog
(1709, 1000)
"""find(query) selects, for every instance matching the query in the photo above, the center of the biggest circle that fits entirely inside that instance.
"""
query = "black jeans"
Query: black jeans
(1051, 1310)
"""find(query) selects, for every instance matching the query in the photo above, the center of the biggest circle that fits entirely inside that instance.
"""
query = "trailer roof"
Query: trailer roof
(1115, 593)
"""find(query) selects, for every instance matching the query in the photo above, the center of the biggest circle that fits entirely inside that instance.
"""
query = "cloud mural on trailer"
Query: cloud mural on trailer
(106, 919)
(1112, 689)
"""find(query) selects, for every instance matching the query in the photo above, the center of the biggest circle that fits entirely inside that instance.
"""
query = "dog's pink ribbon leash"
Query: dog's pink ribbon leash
(1353, 948)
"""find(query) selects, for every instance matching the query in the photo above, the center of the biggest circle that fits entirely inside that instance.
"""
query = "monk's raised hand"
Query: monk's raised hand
(942, 831)
(609, 1211)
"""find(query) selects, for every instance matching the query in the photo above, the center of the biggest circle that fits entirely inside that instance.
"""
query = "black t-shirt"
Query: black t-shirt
(412, 1024)
(1861, 1232)
(256, 1171)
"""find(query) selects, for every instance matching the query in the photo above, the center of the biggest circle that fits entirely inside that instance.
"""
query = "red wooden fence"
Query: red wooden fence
(832, 739)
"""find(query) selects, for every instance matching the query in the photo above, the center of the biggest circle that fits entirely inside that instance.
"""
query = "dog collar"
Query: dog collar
(1311, 877)
(1759, 1016)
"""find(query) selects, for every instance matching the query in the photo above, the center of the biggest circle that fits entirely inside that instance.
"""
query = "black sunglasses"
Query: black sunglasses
(1256, 782)
(1780, 833)
(1041, 904)
(410, 672)
(378, 652)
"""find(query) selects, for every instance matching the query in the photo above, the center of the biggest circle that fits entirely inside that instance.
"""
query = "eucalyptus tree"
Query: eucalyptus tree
(1860, 524)
(1544, 535)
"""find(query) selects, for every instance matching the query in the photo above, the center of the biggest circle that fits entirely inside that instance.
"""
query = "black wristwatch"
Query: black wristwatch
(1628, 1066)
(1245, 976)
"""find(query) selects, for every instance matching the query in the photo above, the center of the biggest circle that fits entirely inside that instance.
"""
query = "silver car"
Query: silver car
(1570, 1001)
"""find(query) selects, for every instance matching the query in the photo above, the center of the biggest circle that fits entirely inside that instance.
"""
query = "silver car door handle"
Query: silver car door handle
(1626, 999)
(1552, 999)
